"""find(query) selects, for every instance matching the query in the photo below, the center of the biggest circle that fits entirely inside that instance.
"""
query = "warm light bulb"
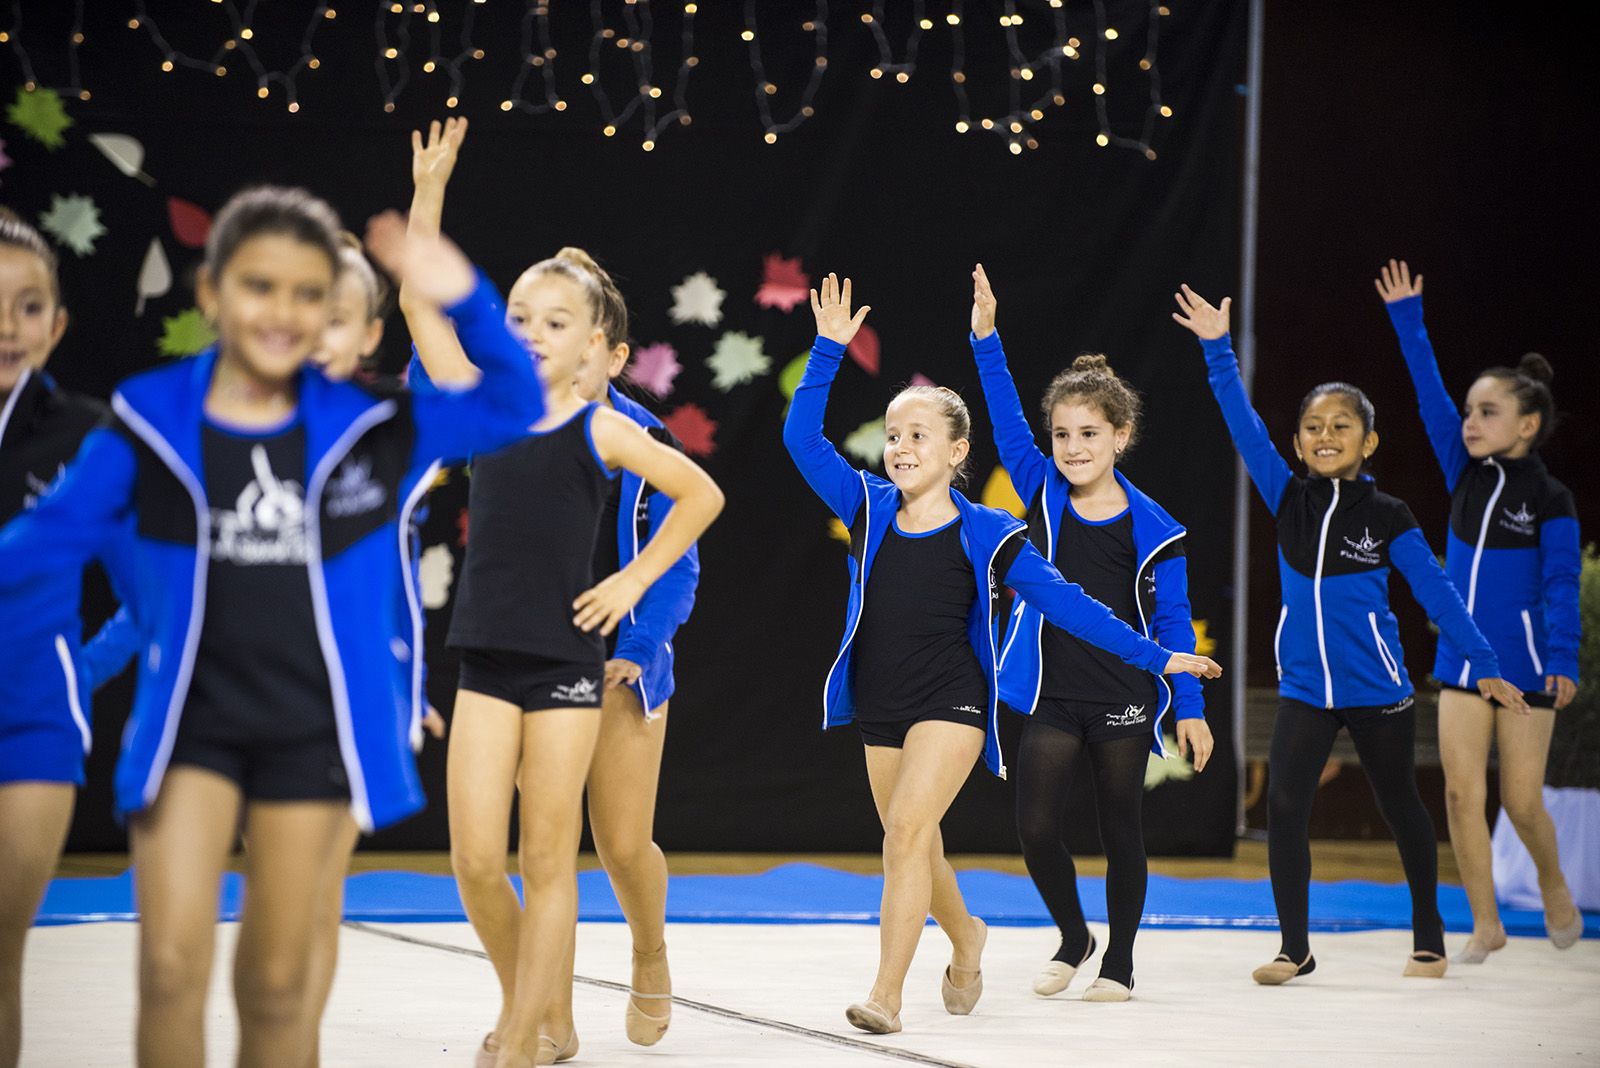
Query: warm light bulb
(876, 72)
(1111, 33)
(902, 77)
(247, 33)
(391, 53)
(451, 101)
(1016, 149)
(314, 63)
(962, 127)
(1099, 90)
(166, 65)
(1102, 140)
(771, 138)
(748, 35)
(953, 19)
(429, 67)
(505, 105)
(926, 24)
(261, 93)
(649, 146)
(1166, 112)
(610, 131)
(294, 106)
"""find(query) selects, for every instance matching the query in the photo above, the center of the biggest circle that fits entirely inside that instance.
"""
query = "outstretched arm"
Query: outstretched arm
(834, 480)
(1013, 437)
(438, 349)
(1402, 296)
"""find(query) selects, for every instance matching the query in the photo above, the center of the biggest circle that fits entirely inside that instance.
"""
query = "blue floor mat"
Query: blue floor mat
(807, 893)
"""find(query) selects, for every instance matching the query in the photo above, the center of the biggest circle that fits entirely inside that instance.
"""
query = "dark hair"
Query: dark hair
(1358, 400)
(1091, 379)
(578, 266)
(954, 409)
(15, 232)
(354, 261)
(1530, 382)
(272, 209)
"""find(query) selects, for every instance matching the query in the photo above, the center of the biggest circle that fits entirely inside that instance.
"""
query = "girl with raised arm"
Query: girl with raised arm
(1340, 665)
(917, 667)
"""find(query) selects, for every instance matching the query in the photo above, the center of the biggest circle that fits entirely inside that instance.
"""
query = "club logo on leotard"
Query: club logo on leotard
(352, 489)
(1128, 717)
(582, 692)
(974, 709)
(267, 522)
(1364, 550)
(1519, 522)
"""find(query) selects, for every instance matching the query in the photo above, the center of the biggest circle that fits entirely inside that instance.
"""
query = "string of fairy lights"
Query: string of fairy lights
(1036, 82)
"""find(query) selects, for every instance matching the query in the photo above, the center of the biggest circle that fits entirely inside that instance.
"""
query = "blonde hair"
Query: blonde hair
(956, 415)
(17, 232)
(578, 267)
(353, 261)
(1091, 380)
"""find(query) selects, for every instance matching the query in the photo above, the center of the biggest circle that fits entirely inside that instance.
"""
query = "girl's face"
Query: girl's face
(549, 312)
(600, 366)
(918, 452)
(352, 334)
(1083, 441)
(31, 322)
(1494, 423)
(270, 304)
(1330, 440)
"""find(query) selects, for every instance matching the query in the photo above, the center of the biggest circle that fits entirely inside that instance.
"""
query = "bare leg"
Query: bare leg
(34, 817)
(325, 947)
(180, 846)
(1524, 750)
(1466, 730)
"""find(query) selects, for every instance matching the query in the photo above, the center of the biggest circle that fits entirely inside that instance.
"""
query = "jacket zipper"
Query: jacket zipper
(74, 706)
(861, 604)
(1316, 595)
(1384, 655)
(1277, 639)
(1533, 649)
(1477, 554)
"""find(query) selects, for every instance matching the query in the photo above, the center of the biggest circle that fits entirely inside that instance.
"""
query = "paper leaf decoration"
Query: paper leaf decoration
(697, 299)
(654, 367)
(155, 276)
(1172, 769)
(738, 358)
(793, 371)
(463, 528)
(191, 225)
(866, 443)
(837, 530)
(74, 221)
(185, 334)
(920, 379)
(1204, 644)
(863, 349)
(125, 153)
(691, 425)
(39, 114)
(436, 569)
(998, 492)
(5, 160)
(783, 283)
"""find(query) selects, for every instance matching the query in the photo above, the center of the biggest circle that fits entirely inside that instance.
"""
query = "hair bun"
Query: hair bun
(1092, 361)
(580, 258)
(1536, 367)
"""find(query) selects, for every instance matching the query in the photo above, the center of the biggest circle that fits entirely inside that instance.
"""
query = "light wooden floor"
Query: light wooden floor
(1331, 860)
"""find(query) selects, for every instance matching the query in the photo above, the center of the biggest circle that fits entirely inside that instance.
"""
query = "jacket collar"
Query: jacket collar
(21, 406)
(631, 408)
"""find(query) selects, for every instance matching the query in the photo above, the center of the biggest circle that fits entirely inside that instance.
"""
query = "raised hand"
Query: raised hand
(1394, 282)
(433, 160)
(982, 304)
(432, 268)
(1190, 664)
(1504, 694)
(1197, 314)
(832, 309)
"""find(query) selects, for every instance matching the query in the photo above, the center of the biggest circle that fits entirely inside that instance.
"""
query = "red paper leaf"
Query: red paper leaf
(783, 283)
(191, 224)
(691, 425)
(461, 525)
(864, 349)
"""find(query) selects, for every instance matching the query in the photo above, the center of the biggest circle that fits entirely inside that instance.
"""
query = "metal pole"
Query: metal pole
(1244, 336)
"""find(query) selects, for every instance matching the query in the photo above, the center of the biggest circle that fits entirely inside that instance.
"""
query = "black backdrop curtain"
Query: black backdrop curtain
(1084, 245)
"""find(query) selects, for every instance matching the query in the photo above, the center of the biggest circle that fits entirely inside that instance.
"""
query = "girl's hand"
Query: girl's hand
(622, 673)
(1189, 664)
(433, 161)
(832, 309)
(1198, 315)
(431, 268)
(1564, 688)
(982, 304)
(604, 604)
(1504, 694)
(433, 723)
(1194, 737)
(1395, 282)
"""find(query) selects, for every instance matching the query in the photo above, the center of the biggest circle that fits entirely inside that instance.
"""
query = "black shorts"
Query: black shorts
(532, 682)
(1096, 721)
(1535, 698)
(1354, 714)
(892, 732)
(306, 770)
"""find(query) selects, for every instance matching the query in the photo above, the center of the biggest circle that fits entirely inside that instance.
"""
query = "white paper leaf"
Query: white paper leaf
(125, 153)
(74, 221)
(865, 443)
(437, 569)
(738, 358)
(697, 299)
(155, 277)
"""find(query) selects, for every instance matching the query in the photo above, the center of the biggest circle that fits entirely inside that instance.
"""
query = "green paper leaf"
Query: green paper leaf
(865, 443)
(74, 221)
(1172, 769)
(185, 334)
(41, 116)
(738, 358)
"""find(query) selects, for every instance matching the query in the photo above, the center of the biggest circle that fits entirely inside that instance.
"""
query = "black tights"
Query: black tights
(1044, 767)
(1302, 738)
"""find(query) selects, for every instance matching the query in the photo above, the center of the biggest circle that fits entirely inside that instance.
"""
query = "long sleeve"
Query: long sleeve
(499, 409)
(1173, 627)
(1440, 416)
(1013, 437)
(666, 605)
(1266, 466)
(1438, 596)
(829, 474)
(107, 653)
(1560, 564)
(1065, 604)
(72, 523)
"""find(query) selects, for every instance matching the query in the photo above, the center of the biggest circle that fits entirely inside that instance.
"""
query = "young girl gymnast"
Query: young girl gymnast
(917, 667)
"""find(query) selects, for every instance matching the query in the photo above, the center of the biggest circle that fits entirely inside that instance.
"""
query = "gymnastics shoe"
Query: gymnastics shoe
(1056, 974)
(959, 1000)
(643, 1028)
(550, 1053)
(1566, 937)
(1104, 989)
(488, 1052)
(1425, 964)
(1281, 969)
(1476, 952)
(869, 1016)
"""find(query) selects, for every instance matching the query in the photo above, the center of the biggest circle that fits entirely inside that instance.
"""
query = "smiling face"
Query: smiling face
(919, 453)
(31, 320)
(352, 334)
(1495, 424)
(1331, 439)
(1083, 441)
(270, 304)
(550, 314)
